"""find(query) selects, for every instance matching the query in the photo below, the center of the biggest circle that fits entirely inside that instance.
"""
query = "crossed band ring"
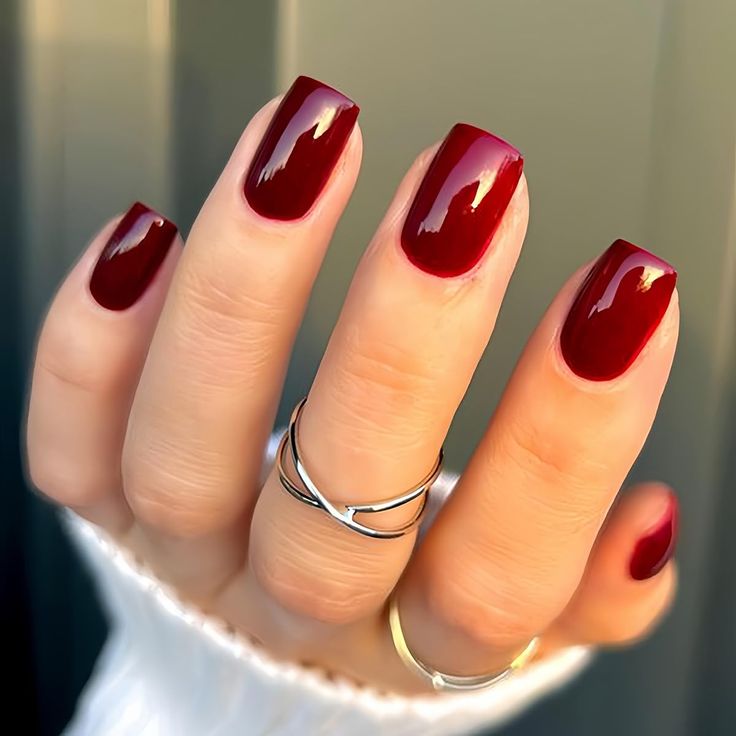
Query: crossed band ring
(440, 680)
(345, 513)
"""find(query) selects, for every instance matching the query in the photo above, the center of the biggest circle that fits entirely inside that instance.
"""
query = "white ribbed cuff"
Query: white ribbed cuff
(168, 669)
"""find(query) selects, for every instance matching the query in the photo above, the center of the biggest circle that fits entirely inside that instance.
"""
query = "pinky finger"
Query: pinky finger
(90, 354)
(630, 581)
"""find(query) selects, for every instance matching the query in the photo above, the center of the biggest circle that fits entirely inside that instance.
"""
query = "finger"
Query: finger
(89, 358)
(510, 547)
(418, 315)
(207, 397)
(629, 582)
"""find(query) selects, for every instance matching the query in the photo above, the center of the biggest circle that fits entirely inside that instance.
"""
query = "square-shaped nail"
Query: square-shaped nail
(618, 307)
(461, 201)
(656, 548)
(131, 257)
(299, 150)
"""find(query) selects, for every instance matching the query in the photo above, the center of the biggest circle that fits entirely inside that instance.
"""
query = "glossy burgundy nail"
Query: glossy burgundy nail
(299, 150)
(131, 257)
(618, 307)
(460, 201)
(654, 550)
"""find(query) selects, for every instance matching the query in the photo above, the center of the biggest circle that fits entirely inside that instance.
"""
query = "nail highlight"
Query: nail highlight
(132, 256)
(656, 548)
(460, 201)
(616, 311)
(299, 150)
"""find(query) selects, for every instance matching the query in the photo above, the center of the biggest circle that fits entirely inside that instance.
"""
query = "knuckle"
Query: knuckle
(376, 385)
(499, 616)
(72, 359)
(177, 498)
(387, 367)
(315, 571)
(539, 453)
(326, 598)
(224, 317)
(226, 296)
(61, 481)
(168, 515)
(543, 458)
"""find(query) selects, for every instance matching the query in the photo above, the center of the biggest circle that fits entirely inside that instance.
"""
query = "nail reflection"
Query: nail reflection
(299, 150)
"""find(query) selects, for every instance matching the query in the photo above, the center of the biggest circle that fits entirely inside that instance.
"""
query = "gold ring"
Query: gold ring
(440, 680)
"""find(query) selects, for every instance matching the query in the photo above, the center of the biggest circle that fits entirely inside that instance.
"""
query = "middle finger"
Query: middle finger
(416, 320)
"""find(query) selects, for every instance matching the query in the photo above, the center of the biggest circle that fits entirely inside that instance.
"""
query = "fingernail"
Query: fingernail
(299, 150)
(616, 310)
(655, 549)
(131, 257)
(460, 201)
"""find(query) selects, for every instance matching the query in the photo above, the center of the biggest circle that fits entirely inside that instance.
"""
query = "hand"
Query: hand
(159, 370)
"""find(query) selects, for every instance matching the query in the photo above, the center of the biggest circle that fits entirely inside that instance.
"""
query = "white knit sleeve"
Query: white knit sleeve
(167, 669)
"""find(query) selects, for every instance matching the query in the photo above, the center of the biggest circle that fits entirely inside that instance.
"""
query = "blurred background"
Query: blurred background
(626, 114)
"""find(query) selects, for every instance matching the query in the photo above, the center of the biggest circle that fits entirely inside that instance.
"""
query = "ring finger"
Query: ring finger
(509, 549)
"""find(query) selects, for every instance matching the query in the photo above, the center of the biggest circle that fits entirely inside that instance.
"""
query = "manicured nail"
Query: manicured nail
(654, 550)
(460, 201)
(299, 150)
(618, 307)
(131, 257)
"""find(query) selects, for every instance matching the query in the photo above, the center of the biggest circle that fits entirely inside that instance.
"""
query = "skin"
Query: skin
(152, 421)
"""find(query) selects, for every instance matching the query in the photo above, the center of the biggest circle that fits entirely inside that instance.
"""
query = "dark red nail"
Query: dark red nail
(299, 150)
(654, 550)
(131, 257)
(618, 307)
(460, 201)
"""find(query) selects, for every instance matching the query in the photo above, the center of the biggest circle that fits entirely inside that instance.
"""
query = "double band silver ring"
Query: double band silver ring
(345, 513)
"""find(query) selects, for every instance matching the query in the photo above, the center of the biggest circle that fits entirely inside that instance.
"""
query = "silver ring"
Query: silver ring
(440, 680)
(345, 513)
